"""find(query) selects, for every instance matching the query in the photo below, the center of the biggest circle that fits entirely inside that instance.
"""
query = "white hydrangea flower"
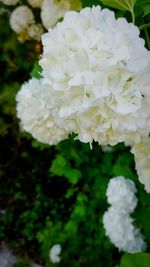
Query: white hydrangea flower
(55, 253)
(141, 153)
(36, 112)
(9, 2)
(35, 31)
(121, 231)
(121, 193)
(21, 18)
(52, 11)
(35, 3)
(94, 64)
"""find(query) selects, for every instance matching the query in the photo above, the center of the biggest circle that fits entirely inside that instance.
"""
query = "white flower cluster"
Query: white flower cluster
(94, 66)
(22, 19)
(96, 61)
(121, 194)
(119, 228)
(141, 153)
(37, 113)
(23, 23)
(117, 221)
(55, 253)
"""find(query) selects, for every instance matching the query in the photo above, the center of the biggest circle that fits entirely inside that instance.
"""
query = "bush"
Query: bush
(57, 195)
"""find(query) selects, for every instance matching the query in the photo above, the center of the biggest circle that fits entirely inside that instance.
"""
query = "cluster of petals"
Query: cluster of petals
(117, 221)
(96, 69)
(23, 23)
(22, 19)
(54, 253)
(121, 231)
(121, 194)
(37, 114)
(95, 65)
(141, 153)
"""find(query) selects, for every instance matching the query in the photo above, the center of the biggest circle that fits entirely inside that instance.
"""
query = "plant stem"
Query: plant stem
(133, 17)
(144, 26)
(147, 38)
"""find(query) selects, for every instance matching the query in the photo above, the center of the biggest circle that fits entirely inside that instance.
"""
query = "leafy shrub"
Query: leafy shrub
(51, 195)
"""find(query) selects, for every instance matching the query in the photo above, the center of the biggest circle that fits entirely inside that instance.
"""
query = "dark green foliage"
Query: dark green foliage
(136, 260)
(22, 263)
(90, 3)
(51, 195)
(88, 198)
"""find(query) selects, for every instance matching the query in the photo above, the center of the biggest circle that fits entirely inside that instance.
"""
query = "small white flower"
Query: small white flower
(35, 31)
(21, 18)
(52, 11)
(55, 253)
(121, 194)
(141, 153)
(9, 2)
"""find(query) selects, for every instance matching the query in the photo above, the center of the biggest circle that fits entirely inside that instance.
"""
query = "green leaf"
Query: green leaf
(120, 4)
(79, 211)
(36, 71)
(71, 226)
(140, 215)
(70, 193)
(135, 260)
(39, 145)
(122, 166)
(146, 10)
(142, 9)
(58, 165)
(61, 167)
(81, 198)
(73, 175)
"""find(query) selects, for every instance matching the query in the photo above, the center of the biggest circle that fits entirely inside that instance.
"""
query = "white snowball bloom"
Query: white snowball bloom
(35, 3)
(52, 11)
(141, 153)
(94, 64)
(37, 114)
(121, 193)
(9, 2)
(121, 231)
(21, 18)
(55, 253)
(35, 31)
(117, 221)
